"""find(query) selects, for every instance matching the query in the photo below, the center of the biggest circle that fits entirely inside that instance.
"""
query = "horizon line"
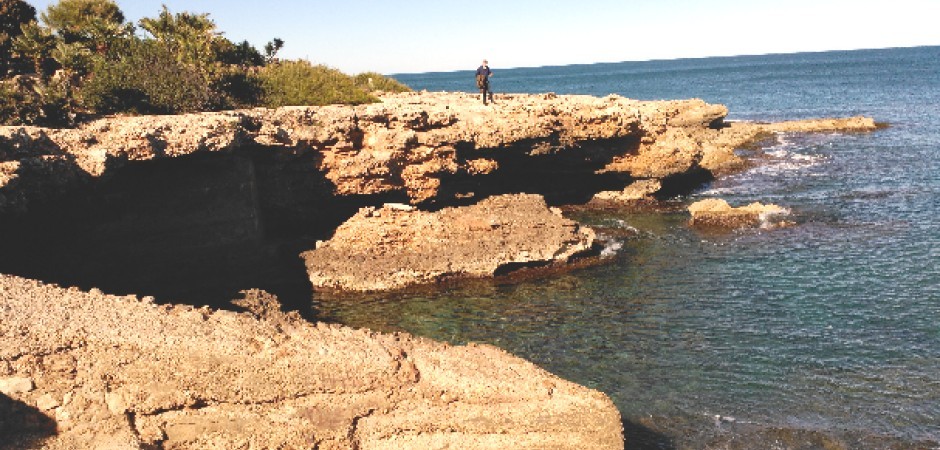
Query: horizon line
(684, 58)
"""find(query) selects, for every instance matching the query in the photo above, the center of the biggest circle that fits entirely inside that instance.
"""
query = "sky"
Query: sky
(416, 36)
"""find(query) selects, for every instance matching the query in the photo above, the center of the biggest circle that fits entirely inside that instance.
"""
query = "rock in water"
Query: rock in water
(718, 213)
(390, 248)
(638, 191)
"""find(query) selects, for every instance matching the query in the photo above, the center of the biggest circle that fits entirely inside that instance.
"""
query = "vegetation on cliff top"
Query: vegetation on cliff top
(81, 59)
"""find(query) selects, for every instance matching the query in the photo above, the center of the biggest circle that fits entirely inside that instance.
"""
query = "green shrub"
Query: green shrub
(295, 83)
(146, 78)
(237, 88)
(30, 101)
(376, 82)
(16, 107)
(241, 54)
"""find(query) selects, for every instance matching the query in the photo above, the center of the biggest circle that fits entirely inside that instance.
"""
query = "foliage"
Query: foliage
(74, 58)
(96, 24)
(376, 82)
(238, 89)
(271, 49)
(146, 78)
(189, 37)
(86, 60)
(293, 83)
(242, 54)
(35, 43)
(29, 101)
(13, 14)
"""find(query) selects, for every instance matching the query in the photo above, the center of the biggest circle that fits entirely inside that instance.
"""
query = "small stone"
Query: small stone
(16, 385)
(68, 398)
(399, 207)
(115, 403)
(47, 402)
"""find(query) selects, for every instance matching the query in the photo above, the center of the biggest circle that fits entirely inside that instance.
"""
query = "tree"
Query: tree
(96, 24)
(13, 15)
(242, 54)
(191, 37)
(74, 58)
(271, 49)
(35, 43)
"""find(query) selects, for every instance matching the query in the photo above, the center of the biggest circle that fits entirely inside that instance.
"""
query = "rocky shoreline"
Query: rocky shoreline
(86, 369)
(102, 371)
(424, 147)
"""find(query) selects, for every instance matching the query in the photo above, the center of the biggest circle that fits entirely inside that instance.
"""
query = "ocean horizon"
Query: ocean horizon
(655, 60)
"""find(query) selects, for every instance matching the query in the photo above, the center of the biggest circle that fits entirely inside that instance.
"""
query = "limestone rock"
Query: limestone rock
(389, 248)
(148, 376)
(639, 190)
(718, 213)
(15, 385)
(410, 143)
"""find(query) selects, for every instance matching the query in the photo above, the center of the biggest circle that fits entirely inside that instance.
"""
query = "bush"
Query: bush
(145, 78)
(238, 89)
(376, 82)
(240, 54)
(297, 83)
(29, 101)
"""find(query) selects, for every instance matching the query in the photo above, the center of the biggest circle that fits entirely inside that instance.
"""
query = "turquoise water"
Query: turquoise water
(828, 330)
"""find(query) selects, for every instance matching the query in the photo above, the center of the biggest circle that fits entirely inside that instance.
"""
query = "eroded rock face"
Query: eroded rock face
(98, 371)
(719, 214)
(412, 144)
(394, 246)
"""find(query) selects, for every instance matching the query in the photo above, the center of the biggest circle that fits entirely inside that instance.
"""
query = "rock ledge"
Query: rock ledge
(393, 247)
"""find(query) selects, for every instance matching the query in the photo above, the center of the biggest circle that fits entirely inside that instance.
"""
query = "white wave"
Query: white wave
(773, 219)
(611, 248)
(622, 224)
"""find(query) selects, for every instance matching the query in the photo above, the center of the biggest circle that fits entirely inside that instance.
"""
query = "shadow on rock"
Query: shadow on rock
(22, 426)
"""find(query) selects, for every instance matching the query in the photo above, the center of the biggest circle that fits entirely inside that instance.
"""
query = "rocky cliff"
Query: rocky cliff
(422, 147)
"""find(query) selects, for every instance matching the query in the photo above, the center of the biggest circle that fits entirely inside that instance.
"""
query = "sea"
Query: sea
(824, 334)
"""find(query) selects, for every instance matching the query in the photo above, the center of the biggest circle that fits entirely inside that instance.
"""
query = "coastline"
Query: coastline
(429, 150)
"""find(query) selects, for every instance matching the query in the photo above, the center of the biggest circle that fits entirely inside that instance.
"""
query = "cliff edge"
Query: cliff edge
(424, 147)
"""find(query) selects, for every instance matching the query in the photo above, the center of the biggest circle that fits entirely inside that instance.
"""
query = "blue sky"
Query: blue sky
(444, 35)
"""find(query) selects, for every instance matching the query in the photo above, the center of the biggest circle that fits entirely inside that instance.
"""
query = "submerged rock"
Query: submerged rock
(718, 213)
(88, 370)
(390, 247)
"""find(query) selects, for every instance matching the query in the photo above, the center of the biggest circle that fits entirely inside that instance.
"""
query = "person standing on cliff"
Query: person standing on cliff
(483, 80)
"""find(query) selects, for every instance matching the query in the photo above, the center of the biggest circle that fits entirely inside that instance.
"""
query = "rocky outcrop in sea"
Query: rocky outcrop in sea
(394, 246)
